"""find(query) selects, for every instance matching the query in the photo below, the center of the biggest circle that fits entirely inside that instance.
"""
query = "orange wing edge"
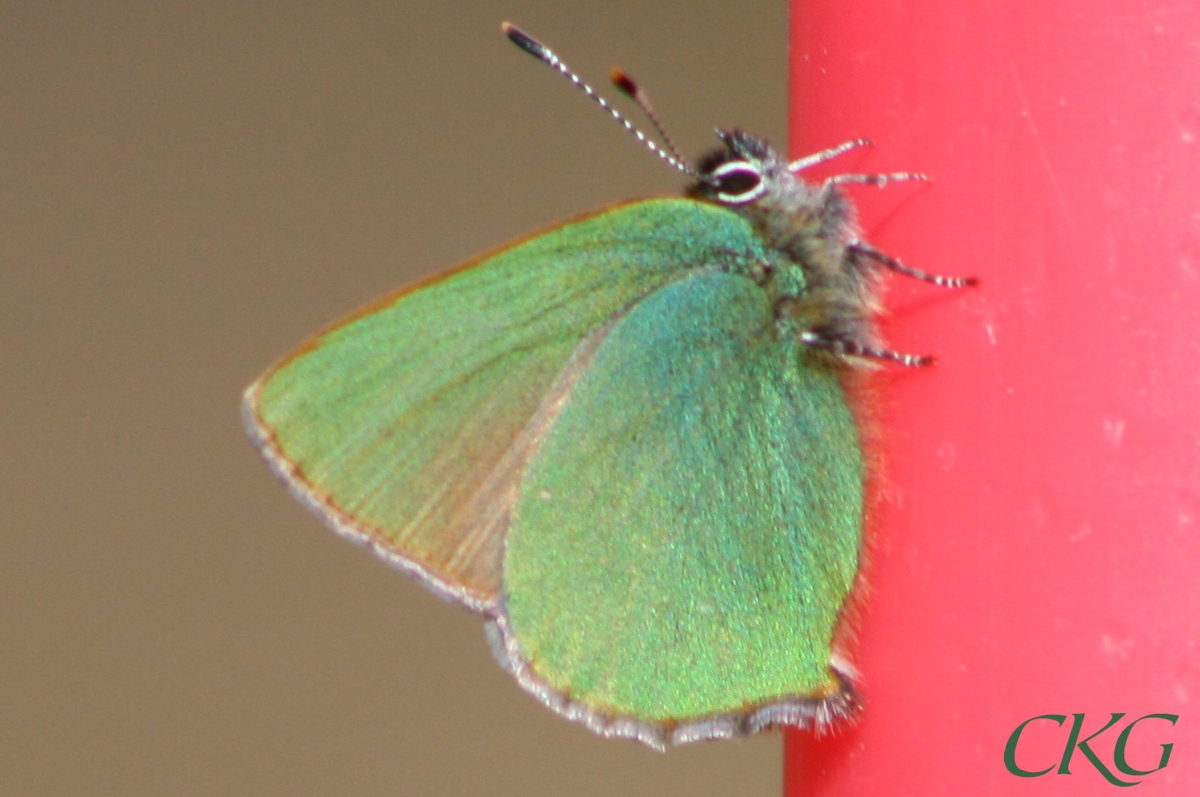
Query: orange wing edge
(342, 523)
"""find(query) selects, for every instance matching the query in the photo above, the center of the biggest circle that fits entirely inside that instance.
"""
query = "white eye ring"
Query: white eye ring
(744, 197)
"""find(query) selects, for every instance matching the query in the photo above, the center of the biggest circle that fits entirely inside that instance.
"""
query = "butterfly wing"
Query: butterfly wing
(689, 527)
(408, 426)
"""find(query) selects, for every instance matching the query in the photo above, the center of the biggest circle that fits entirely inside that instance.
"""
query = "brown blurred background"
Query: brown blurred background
(186, 191)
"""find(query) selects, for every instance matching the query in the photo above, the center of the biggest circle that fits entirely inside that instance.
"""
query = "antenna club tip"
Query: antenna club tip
(525, 41)
(544, 53)
(623, 82)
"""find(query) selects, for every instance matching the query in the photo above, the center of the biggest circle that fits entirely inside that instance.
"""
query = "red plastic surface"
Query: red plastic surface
(1037, 538)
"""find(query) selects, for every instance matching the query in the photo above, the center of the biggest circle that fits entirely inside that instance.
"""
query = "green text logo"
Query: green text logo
(1119, 762)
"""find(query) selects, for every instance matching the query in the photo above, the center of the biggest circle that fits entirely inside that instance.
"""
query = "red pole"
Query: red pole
(1036, 542)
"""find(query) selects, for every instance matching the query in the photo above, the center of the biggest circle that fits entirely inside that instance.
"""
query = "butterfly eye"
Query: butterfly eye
(737, 183)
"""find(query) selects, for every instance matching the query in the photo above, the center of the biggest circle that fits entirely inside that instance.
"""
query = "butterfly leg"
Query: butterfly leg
(845, 346)
(826, 154)
(866, 250)
(875, 179)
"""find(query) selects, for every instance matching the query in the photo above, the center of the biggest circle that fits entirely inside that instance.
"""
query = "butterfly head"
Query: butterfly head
(740, 172)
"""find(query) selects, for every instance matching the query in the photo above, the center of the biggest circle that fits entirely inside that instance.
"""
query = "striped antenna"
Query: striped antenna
(626, 85)
(546, 55)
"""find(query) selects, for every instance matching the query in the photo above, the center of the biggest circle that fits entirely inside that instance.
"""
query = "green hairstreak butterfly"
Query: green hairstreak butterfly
(624, 441)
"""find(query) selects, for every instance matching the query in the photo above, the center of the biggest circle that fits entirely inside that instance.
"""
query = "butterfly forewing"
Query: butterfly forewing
(408, 425)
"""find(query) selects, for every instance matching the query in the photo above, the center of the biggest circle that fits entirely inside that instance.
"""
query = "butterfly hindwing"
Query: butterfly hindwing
(689, 528)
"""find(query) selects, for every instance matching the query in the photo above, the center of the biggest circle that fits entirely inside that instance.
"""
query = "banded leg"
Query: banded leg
(801, 164)
(879, 180)
(883, 259)
(856, 349)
